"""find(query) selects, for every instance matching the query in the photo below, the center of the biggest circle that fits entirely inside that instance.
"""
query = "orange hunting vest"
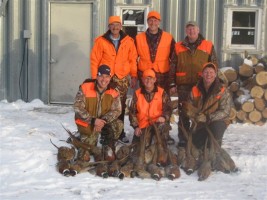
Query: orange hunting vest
(161, 63)
(93, 104)
(189, 66)
(148, 112)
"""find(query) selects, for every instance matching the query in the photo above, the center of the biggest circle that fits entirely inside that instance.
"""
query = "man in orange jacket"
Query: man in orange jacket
(155, 49)
(192, 53)
(117, 50)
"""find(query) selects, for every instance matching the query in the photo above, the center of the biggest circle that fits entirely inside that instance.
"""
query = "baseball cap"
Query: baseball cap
(210, 64)
(191, 23)
(153, 14)
(103, 69)
(149, 73)
(113, 19)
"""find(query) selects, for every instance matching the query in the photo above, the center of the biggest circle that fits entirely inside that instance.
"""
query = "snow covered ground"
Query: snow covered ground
(27, 161)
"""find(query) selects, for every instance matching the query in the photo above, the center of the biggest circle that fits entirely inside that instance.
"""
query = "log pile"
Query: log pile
(248, 85)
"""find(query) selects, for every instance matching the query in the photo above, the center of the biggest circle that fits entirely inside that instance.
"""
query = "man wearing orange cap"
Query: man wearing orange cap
(149, 116)
(117, 50)
(155, 49)
(150, 104)
(212, 101)
(191, 53)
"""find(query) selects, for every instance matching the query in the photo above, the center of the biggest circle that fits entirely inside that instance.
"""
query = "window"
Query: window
(243, 30)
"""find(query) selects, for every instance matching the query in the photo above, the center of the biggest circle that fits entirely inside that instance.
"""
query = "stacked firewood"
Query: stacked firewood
(248, 85)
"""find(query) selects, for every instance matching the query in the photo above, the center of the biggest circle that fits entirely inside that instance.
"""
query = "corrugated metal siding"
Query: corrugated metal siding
(33, 15)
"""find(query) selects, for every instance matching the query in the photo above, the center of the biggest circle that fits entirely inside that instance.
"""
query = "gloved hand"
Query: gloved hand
(201, 118)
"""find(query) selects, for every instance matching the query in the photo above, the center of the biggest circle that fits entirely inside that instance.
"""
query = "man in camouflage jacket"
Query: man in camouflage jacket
(97, 108)
(212, 101)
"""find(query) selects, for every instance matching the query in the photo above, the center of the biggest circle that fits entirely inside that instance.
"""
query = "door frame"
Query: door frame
(48, 64)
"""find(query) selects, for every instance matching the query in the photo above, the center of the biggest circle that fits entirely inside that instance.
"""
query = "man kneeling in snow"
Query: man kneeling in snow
(97, 108)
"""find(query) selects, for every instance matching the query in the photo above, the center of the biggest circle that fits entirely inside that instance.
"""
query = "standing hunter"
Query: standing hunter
(192, 53)
(117, 50)
(155, 49)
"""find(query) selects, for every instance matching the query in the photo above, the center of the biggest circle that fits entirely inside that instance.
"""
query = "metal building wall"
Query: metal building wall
(17, 53)
(21, 74)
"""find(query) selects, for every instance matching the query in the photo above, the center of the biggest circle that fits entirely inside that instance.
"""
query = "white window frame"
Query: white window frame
(256, 45)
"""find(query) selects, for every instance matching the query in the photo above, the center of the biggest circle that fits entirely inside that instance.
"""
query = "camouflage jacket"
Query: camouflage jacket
(81, 103)
(215, 103)
(166, 101)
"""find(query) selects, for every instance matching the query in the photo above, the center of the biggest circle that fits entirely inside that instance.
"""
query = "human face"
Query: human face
(209, 75)
(192, 33)
(153, 25)
(115, 29)
(103, 81)
(149, 83)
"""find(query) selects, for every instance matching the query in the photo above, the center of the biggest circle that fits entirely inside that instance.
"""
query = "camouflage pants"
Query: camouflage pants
(162, 80)
(121, 85)
(183, 96)
(91, 137)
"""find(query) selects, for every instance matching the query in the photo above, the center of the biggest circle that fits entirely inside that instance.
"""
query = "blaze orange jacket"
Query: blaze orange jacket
(121, 63)
(162, 62)
(190, 65)
(148, 113)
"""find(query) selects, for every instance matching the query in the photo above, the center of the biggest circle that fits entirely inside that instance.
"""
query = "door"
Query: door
(70, 42)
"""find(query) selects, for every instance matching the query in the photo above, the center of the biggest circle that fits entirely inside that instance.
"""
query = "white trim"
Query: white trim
(258, 28)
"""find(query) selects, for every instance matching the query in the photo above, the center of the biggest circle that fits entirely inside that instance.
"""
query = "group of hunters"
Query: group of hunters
(158, 67)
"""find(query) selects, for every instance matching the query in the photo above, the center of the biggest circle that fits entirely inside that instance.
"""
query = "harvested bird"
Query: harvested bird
(114, 168)
(77, 143)
(205, 168)
(149, 153)
(189, 165)
(222, 160)
(194, 151)
(124, 151)
(127, 170)
(172, 171)
(154, 171)
(102, 170)
(162, 156)
(65, 153)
